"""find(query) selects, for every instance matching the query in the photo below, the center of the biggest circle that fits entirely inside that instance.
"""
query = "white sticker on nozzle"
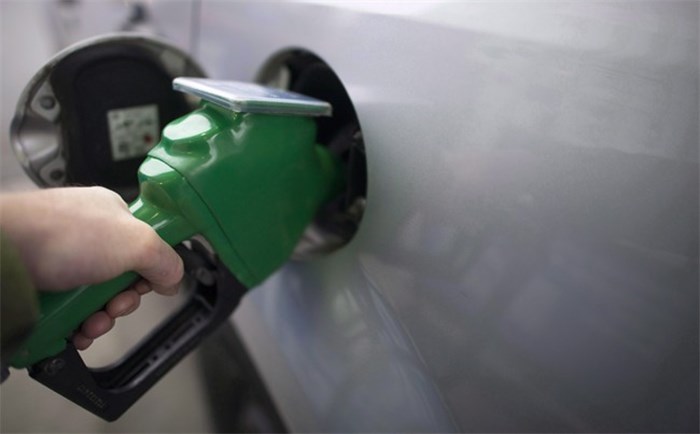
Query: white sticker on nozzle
(133, 131)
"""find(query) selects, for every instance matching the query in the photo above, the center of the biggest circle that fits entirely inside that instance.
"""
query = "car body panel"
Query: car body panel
(528, 258)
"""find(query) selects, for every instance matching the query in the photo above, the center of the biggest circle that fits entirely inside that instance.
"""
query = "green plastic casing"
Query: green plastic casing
(249, 183)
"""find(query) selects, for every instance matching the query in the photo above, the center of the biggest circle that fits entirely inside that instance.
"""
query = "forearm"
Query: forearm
(18, 300)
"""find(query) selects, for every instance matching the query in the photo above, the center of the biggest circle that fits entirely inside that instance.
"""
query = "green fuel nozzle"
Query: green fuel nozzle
(249, 182)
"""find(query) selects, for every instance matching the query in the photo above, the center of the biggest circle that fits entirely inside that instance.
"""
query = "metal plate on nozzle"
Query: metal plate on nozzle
(252, 98)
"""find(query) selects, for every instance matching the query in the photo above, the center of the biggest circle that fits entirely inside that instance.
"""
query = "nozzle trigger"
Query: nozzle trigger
(108, 392)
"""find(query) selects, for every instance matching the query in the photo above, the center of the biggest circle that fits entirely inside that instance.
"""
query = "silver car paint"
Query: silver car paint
(529, 256)
(528, 260)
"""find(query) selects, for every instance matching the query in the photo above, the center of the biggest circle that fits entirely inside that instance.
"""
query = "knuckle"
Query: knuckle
(116, 198)
(108, 195)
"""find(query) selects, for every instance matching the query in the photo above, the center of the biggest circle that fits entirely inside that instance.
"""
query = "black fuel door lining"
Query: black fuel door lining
(115, 99)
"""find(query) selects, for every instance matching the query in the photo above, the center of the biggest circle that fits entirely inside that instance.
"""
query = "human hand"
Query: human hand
(75, 236)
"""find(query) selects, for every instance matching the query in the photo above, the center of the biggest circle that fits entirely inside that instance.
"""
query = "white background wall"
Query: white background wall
(31, 31)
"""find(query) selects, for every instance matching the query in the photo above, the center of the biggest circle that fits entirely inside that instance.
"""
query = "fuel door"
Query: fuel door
(90, 115)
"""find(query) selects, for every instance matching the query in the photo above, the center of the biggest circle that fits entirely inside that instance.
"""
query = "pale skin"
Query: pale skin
(74, 236)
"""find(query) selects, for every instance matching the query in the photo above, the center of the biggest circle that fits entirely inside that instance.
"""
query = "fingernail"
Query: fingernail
(142, 287)
(167, 290)
(81, 342)
(128, 310)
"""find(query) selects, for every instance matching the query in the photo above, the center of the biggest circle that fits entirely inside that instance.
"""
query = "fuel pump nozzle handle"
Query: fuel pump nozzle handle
(108, 392)
(249, 183)
(63, 312)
